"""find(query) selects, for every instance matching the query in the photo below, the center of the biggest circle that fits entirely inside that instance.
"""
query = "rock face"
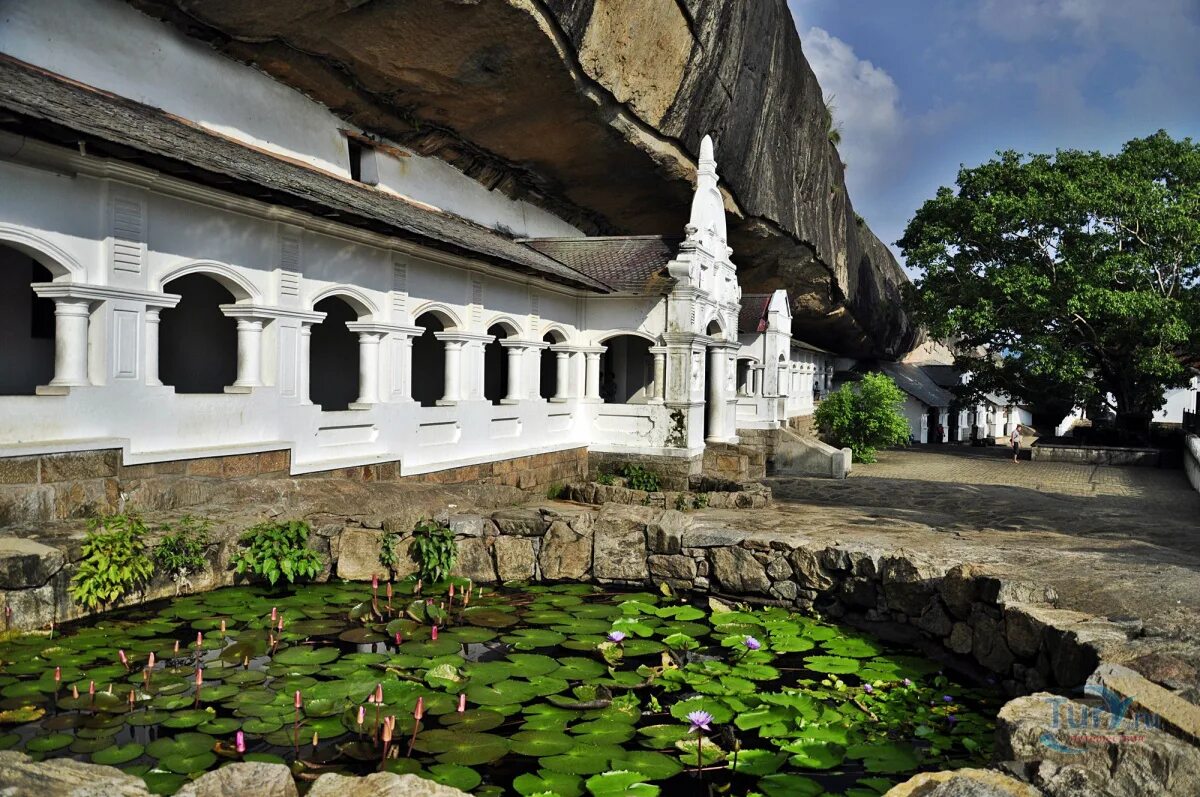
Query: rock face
(20, 776)
(259, 779)
(963, 783)
(381, 784)
(594, 109)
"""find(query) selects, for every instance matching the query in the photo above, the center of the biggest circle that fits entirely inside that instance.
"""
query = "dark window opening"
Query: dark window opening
(495, 366)
(41, 310)
(428, 362)
(333, 357)
(356, 156)
(197, 343)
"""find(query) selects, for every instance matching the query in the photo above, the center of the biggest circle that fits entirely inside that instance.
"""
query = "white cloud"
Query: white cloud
(866, 106)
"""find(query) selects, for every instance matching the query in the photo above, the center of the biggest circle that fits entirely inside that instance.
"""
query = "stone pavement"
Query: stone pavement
(1112, 541)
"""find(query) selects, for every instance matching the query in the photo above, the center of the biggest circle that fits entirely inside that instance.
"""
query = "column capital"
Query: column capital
(592, 350)
(376, 328)
(264, 313)
(518, 343)
(100, 293)
(463, 337)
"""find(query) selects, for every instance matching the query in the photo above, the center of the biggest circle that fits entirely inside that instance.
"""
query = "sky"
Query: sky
(922, 87)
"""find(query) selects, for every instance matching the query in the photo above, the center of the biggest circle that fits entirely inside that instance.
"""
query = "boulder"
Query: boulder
(963, 783)
(25, 563)
(20, 776)
(466, 525)
(379, 784)
(474, 560)
(664, 534)
(261, 780)
(808, 570)
(1071, 749)
(738, 571)
(358, 554)
(520, 522)
(515, 558)
(566, 554)
(620, 544)
(677, 568)
(908, 582)
(987, 643)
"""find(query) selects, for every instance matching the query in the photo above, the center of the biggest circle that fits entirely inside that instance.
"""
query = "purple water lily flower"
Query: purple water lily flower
(907, 682)
(751, 643)
(700, 721)
(616, 636)
(870, 690)
(947, 699)
(951, 719)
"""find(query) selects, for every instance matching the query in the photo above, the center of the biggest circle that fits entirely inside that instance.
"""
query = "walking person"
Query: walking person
(1014, 439)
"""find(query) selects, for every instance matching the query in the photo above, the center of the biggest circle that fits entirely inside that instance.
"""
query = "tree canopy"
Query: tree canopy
(1063, 278)
(864, 417)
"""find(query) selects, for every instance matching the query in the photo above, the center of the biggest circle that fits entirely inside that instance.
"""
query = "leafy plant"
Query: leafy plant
(182, 553)
(700, 501)
(864, 417)
(555, 491)
(387, 551)
(682, 503)
(277, 550)
(639, 478)
(436, 550)
(607, 479)
(114, 560)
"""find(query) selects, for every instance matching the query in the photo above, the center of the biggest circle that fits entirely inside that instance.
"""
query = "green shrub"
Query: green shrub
(864, 417)
(387, 551)
(639, 478)
(182, 553)
(701, 501)
(114, 560)
(436, 550)
(682, 503)
(277, 549)
(607, 479)
(555, 491)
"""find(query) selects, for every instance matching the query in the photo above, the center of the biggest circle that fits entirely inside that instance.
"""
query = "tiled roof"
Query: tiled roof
(913, 381)
(629, 264)
(943, 375)
(753, 315)
(50, 106)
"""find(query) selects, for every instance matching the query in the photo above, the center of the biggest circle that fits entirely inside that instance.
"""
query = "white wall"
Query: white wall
(1177, 401)
(109, 45)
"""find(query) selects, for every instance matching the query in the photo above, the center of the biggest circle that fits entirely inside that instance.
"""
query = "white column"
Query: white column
(660, 372)
(592, 378)
(516, 355)
(152, 319)
(304, 370)
(70, 342)
(453, 369)
(249, 358)
(715, 398)
(368, 368)
(562, 374)
(404, 379)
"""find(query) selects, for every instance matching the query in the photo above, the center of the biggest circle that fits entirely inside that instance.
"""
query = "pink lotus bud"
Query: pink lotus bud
(378, 693)
(176, 647)
(418, 586)
(271, 640)
(362, 714)
(374, 582)
(462, 702)
(222, 626)
(74, 691)
(389, 590)
(199, 677)
(316, 738)
(274, 613)
(150, 661)
(299, 701)
(58, 675)
(91, 687)
(146, 678)
(132, 699)
(199, 639)
(419, 711)
(433, 633)
(124, 659)
(451, 592)
(399, 638)
(281, 625)
(240, 743)
(388, 725)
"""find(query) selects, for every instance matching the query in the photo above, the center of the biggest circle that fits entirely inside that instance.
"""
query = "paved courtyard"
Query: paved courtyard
(1112, 541)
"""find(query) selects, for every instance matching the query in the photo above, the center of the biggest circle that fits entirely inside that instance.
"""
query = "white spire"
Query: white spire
(708, 206)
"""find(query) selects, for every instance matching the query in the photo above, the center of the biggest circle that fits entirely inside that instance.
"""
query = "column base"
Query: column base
(723, 440)
(446, 403)
(509, 402)
(557, 400)
(239, 389)
(360, 405)
(52, 390)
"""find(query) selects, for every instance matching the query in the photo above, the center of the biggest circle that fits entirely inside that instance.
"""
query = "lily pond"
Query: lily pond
(564, 690)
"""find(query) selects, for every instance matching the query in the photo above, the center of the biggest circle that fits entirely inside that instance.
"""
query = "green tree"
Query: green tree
(864, 417)
(1068, 277)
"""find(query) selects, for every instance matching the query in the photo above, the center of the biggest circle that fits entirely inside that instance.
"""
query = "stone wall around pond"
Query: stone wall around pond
(1191, 460)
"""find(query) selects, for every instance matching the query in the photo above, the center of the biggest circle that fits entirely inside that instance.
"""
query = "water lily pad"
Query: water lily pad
(583, 759)
(190, 718)
(757, 762)
(221, 726)
(118, 754)
(694, 753)
(815, 755)
(852, 647)
(542, 743)
(531, 664)
(652, 765)
(455, 776)
(620, 783)
(26, 713)
(885, 757)
(301, 654)
(831, 664)
(489, 617)
(575, 668)
(788, 785)
(159, 782)
(462, 747)
(547, 781)
(48, 743)
(261, 725)
(186, 764)
(720, 713)
(475, 719)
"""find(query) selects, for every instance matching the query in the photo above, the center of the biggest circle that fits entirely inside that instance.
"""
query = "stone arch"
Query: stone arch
(333, 357)
(445, 317)
(555, 335)
(242, 289)
(428, 366)
(356, 299)
(495, 359)
(61, 265)
(28, 325)
(197, 342)
(627, 369)
(511, 328)
(549, 363)
(616, 333)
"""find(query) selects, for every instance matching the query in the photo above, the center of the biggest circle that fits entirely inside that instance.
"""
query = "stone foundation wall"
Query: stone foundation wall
(803, 425)
(1191, 460)
(53, 487)
(1096, 455)
(703, 495)
(674, 472)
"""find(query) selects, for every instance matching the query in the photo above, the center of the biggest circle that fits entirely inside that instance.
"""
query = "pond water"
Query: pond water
(562, 690)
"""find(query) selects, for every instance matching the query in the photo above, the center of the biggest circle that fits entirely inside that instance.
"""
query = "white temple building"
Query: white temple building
(199, 261)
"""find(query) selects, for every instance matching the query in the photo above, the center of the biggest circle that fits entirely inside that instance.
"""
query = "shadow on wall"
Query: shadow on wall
(26, 325)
